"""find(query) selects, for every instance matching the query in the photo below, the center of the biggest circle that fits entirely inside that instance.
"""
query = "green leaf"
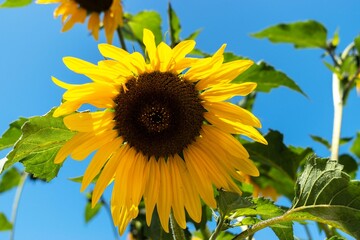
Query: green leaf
(10, 179)
(267, 78)
(266, 209)
(9, 138)
(41, 139)
(308, 34)
(5, 225)
(230, 201)
(357, 43)
(278, 163)
(336, 39)
(321, 140)
(333, 69)
(175, 27)
(194, 35)
(15, 3)
(90, 212)
(355, 148)
(145, 19)
(324, 193)
(349, 163)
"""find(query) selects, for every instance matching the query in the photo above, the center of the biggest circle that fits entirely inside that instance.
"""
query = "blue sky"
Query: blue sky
(32, 47)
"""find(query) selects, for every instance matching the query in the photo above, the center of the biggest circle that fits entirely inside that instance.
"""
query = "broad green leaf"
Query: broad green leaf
(308, 34)
(230, 201)
(324, 193)
(15, 3)
(336, 238)
(321, 140)
(267, 78)
(41, 139)
(278, 163)
(266, 209)
(5, 225)
(355, 148)
(90, 212)
(9, 138)
(10, 179)
(145, 19)
(175, 27)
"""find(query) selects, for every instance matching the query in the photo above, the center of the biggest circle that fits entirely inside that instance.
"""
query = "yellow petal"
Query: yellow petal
(223, 92)
(234, 127)
(152, 187)
(225, 74)
(164, 53)
(110, 51)
(200, 178)
(191, 196)
(94, 24)
(182, 49)
(178, 193)
(99, 160)
(91, 144)
(89, 121)
(165, 197)
(232, 112)
(107, 174)
(149, 42)
(70, 145)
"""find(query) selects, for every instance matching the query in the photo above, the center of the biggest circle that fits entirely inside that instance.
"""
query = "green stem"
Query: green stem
(263, 224)
(205, 232)
(107, 208)
(177, 231)
(218, 229)
(16, 203)
(338, 111)
(121, 38)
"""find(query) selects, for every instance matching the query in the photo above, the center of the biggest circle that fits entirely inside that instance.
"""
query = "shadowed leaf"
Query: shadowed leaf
(324, 193)
(175, 26)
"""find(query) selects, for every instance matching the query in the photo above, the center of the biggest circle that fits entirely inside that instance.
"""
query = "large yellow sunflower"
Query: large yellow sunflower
(76, 11)
(162, 132)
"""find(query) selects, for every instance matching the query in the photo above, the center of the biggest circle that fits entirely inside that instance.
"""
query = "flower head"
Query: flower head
(76, 11)
(163, 132)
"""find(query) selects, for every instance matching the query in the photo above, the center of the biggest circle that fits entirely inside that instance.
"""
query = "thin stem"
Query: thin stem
(177, 231)
(263, 224)
(16, 203)
(121, 38)
(107, 208)
(217, 229)
(338, 110)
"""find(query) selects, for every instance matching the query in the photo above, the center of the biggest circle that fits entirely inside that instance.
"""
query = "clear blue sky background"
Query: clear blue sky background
(31, 49)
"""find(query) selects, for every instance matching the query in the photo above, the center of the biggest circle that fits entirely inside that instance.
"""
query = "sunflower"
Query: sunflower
(76, 11)
(162, 130)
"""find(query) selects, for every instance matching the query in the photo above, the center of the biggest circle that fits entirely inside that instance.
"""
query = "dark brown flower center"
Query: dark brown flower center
(95, 5)
(159, 114)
